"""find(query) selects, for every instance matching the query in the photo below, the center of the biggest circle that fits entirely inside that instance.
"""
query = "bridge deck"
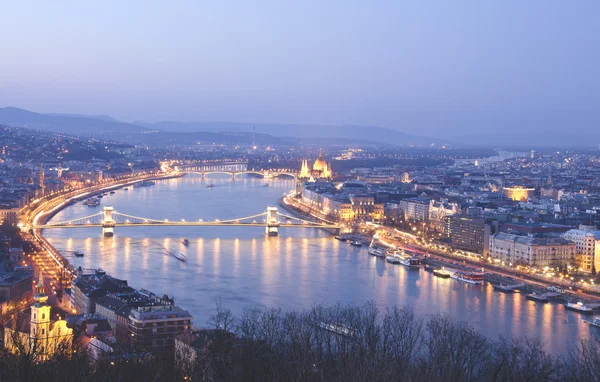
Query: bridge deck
(186, 224)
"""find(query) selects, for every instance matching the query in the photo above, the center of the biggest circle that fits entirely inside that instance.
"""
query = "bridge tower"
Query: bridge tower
(272, 228)
(108, 223)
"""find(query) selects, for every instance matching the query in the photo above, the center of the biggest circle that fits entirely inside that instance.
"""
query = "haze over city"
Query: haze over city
(307, 191)
(440, 69)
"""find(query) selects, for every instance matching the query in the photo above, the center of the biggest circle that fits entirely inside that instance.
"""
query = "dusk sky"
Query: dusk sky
(428, 67)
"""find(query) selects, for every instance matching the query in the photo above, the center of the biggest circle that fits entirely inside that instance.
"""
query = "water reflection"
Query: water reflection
(244, 268)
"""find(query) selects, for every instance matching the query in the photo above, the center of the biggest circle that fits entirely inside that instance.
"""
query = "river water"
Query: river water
(243, 267)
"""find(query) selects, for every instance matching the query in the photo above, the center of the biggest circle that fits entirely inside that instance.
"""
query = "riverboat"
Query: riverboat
(356, 243)
(340, 238)
(92, 202)
(376, 251)
(508, 288)
(112, 192)
(429, 268)
(78, 254)
(180, 256)
(442, 273)
(579, 307)
(411, 262)
(473, 278)
(392, 259)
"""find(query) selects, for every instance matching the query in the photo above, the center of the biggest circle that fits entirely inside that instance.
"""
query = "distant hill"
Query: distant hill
(67, 124)
(362, 133)
(218, 132)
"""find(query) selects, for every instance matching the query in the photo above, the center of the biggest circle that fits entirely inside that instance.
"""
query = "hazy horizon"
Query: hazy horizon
(437, 68)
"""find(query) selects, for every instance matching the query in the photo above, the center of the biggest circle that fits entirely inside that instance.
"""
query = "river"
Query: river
(243, 267)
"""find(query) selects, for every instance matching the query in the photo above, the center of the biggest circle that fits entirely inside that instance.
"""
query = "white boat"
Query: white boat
(92, 202)
(579, 307)
(180, 256)
(392, 259)
(473, 278)
(410, 262)
(377, 251)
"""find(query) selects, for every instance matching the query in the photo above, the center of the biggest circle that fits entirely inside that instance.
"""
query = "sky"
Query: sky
(444, 68)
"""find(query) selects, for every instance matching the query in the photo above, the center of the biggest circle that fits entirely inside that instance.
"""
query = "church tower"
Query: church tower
(40, 319)
(42, 179)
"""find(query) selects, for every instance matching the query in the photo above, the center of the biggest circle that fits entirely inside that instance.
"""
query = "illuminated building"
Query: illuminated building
(585, 242)
(518, 193)
(38, 335)
(471, 234)
(534, 251)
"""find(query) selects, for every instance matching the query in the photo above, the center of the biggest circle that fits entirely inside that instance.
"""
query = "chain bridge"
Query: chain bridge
(108, 219)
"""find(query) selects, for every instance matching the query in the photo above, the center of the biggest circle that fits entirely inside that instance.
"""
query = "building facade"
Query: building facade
(519, 193)
(585, 242)
(533, 251)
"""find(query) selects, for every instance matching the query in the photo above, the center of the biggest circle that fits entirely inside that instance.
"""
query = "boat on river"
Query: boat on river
(411, 262)
(185, 241)
(579, 307)
(392, 259)
(92, 202)
(442, 273)
(180, 256)
(112, 192)
(376, 251)
(356, 243)
(429, 268)
(508, 288)
(78, 254)
(473, 278)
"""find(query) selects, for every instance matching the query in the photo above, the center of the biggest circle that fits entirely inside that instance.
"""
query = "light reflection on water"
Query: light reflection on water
(243, 267)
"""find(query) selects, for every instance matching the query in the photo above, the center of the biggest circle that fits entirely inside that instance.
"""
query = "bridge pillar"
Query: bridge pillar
(272, 228)
(108, 223)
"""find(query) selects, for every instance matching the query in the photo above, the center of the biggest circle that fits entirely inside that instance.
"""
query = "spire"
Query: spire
(40, 296)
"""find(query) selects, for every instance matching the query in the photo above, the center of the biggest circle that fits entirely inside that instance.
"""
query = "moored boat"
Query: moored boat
(579, 307)
(78, 254)
(442, 273)
(356, 243)
(392, 259)
(508, 288)
(473, 278)
(376, 251)
(411, 262)
(429, 268)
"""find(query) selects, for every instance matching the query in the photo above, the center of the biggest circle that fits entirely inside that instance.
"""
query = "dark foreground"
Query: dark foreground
(333, 343)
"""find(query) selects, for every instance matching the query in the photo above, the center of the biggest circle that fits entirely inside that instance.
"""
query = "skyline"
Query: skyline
(421, 69)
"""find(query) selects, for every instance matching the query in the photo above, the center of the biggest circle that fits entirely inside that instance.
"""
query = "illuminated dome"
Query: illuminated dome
(320, 163)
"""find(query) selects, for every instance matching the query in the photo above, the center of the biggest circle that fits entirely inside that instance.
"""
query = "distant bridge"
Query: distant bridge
(108, 219)
(265, 174)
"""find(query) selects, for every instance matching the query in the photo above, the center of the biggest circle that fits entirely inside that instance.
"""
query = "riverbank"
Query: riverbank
(46, 208)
